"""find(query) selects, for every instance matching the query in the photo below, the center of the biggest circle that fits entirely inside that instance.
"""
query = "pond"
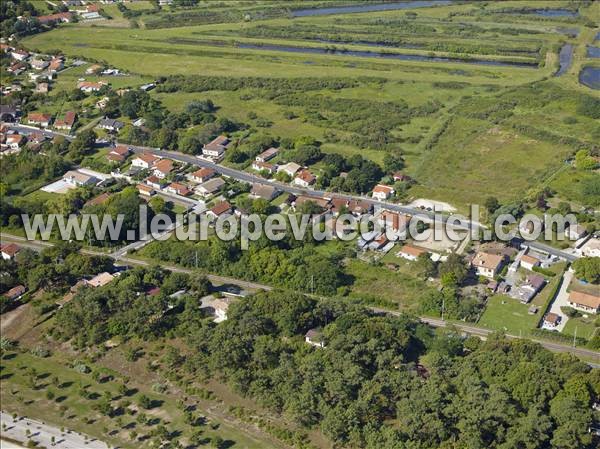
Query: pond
(371, 54)
(593, 52)
(565, 59)
(590, 77)
(554, 13)
(368, 8)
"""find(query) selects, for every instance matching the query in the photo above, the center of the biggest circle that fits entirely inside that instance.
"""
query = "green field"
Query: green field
(460, 160)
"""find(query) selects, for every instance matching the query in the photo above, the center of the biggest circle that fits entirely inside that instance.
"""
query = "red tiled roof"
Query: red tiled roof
(221, 208)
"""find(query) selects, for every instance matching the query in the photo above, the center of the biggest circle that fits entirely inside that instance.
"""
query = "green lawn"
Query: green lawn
(509, 315)
(586, 327)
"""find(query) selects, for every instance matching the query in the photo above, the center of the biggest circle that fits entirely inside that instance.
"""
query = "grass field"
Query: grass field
(50, 390)
(463, 162)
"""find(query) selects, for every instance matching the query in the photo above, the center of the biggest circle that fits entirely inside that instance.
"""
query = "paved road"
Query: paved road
(472, 330)
(42, 433)
(542, 247)
(250, 178)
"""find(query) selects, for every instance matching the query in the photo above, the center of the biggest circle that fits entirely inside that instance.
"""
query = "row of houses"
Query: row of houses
(65, 122)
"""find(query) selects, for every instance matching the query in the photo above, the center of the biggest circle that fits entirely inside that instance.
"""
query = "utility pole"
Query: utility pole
(443, 307)
(575, 336)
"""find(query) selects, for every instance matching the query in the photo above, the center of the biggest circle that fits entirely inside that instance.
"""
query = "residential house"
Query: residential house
(144, 160)
(398, 176)
(305, 178)
(155, 182)
(43, 120)
(118, 154)
(531, 287)
(260, 166)
(98, 200)
(15, 293)
(41, 88)
(551, 320)
(263, 191)
(67, 121)
(487, 264)
(393, 221)
(110, 124)
(162, 168)
(20, 55)
(17, 68)
(210, 187)
(354, 207)
(93, 69)
(145, 190)
(56, 65)
(38, 64)
(215, 149)
(291, 168)
(221, 209)
(78, 179)
(584, 301)
(220, 307)
(100, 280)
(379, 243)
(14, 141)
(411, 252)
(55, 18)
(202, 175)
(91, 86)
(9, 250)
(176, 188)
(528, 262)
(267, 155)
(382, 192)
(314, 337)
(323, 203)
(575, 232)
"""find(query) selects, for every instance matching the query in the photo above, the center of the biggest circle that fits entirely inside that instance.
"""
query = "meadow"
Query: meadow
(456, 157)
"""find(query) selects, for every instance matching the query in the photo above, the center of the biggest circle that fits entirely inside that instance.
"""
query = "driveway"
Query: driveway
(561, 300)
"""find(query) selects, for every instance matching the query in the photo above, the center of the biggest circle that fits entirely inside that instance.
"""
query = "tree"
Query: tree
(588, 269)
(158, 205)
(425, 266)
(491, 204)
(82, 144)
(393, 162)
(454, 268)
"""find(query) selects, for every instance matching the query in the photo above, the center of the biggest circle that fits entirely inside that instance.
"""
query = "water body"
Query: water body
(370, 54)
(573, 32)
(565, 59)
(590, 77)
(554, 13)
(593, 52)
(368, 8)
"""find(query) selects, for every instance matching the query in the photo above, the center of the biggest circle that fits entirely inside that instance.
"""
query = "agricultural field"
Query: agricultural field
(459, 149)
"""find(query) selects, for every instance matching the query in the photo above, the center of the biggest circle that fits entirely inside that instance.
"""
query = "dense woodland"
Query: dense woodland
(365, 388)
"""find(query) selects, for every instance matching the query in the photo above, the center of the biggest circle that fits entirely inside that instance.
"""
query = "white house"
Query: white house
(314, 337)
(290, 168)
(487, 264)
(78, 179)
(202, 175)
(144, 160)
(210, 187)
(382, 192)
(410, 252)
(304, 178)
(586, 302)
(9, 250)
(528, 262)
(267, 155)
